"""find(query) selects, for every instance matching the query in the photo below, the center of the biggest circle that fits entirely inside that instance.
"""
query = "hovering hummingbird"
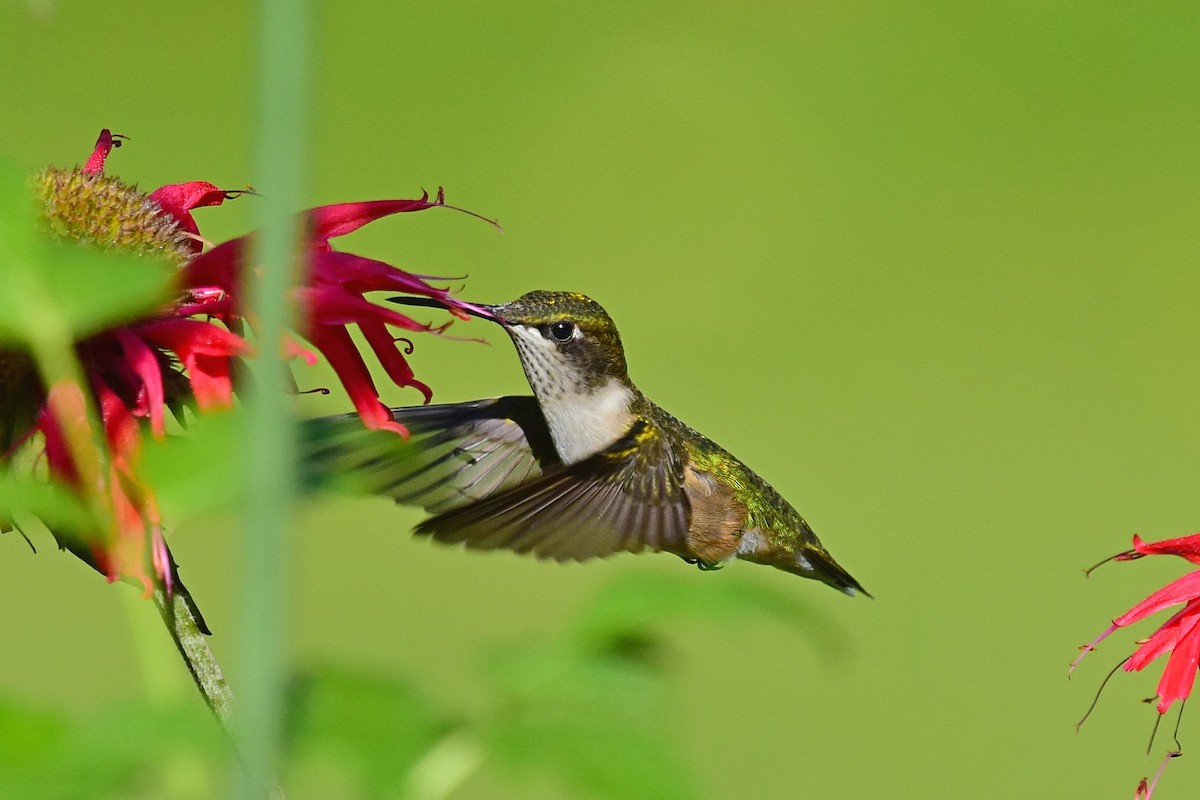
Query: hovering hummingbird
(585, 468)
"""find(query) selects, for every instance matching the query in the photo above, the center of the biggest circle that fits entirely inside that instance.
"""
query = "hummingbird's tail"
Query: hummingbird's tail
(821, 565)
(809, 560)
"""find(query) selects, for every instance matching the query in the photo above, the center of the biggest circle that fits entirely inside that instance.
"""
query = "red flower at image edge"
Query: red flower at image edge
(179, 356)
(1179, 636)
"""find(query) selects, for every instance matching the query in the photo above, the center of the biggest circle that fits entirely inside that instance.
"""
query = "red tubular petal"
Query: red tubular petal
(1184, 546)
(329, 305)
(1161, 641)
(360, 274)
(1180, 673)
(389, 355)
(63, 417)
(219, 268)
(191, 335)
(161, 561)
(58, 458)
(1178, 591)
(120, 427)
(211, 381)
(144, 362)
(293, 349)
(328, 222)
(335, 342)
(104, 146)
(1087, 648)
(178, 199)
(206, 351)
(125, 507)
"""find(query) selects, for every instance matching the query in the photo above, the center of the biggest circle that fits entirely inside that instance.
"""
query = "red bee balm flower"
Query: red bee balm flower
(182, 354)
(331, 299)
(1179, 636)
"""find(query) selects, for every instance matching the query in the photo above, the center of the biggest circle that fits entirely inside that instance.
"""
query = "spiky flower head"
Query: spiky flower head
(85, 205)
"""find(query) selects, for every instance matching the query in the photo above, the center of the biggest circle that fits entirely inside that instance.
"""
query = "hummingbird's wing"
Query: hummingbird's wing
(456, 453)
(626, 497)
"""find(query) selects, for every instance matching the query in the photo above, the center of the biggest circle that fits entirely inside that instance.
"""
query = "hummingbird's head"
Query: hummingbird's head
(567, 342)
(575, 364)
(572, 356)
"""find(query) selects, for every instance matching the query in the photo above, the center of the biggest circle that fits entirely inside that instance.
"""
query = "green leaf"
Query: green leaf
(57, 507)
(133, 744)
(593, 707)
(109, 754)
(597, 719)
(197, 472)
(93, 289)
(374, 728)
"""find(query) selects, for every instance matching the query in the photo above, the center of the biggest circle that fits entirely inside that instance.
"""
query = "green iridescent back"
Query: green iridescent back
(767, 509)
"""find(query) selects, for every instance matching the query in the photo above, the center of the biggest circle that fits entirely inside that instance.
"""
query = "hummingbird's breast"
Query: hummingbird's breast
(583, 424)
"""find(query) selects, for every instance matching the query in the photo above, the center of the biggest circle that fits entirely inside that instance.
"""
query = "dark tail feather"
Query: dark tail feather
(826, 570)
(813, 562)
(832, 573)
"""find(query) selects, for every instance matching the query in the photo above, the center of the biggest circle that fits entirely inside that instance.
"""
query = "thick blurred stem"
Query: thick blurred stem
(276, 261)
(199, 658)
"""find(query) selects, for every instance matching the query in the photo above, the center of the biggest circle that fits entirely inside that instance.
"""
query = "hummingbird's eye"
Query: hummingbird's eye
(559, 332)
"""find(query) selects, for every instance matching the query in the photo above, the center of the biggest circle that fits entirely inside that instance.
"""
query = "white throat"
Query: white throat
(582, 425)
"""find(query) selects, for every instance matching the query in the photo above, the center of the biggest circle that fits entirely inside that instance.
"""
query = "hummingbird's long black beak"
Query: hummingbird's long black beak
(491, 313)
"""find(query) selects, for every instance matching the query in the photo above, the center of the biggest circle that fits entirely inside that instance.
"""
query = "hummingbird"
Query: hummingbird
(585, 468)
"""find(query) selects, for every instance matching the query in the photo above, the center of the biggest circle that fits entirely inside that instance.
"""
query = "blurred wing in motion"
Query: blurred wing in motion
(457, 454)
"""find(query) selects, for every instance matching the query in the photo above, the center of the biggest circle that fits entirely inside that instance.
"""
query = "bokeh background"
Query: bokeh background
(927, 267)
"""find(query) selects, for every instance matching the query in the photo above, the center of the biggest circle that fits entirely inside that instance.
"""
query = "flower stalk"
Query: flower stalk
(192, 644)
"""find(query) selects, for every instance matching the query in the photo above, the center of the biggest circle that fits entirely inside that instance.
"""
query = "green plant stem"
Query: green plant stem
(196, 654)
(267, 457)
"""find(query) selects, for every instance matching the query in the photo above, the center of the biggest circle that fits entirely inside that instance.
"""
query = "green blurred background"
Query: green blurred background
(929, 268)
